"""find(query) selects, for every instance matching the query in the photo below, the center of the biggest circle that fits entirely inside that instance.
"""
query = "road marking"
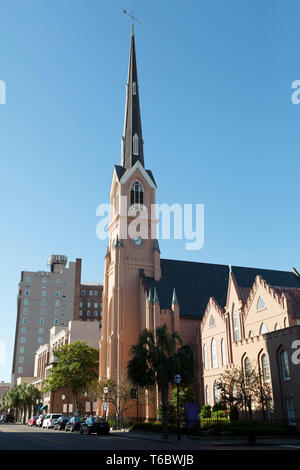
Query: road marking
(293, 447)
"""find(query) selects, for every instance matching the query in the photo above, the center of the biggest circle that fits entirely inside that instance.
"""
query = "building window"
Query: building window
(265, 367)
(251, 334)
(236, 324)
(91, 293)
(43, 303)
(44, 279)
(27, 278)
(57, 303)
(56, 322)
(20, 370)
(263, 329)
(57, 293)
(216, 393)
(214, 355)
(136, 193)
(24, 330)
(44, 293)
(42, 321)
(21, 359)
(95, 292)
(285, 367)
(40, 340)
(27, 293)
(212, 321)
(260, 304)
(58, 281)
(83, 292)
(81, 304)
(89, 304)
(80, 313)
(43, 311)
(96, 304)
(24, 321)
(22, 350)
(26, 302)
(223, 351)
(134, 88)
(247, 366)
(207, 395)
(290, 408)
(56, 312)
(95, 314)
(88, 313)
(25, 311)
(23, 339)
(135, 144)
(277, 327)
(41, 331)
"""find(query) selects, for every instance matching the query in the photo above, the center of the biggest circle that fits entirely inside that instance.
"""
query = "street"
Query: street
(21, 437)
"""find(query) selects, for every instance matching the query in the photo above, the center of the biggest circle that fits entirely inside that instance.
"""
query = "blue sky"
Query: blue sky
(218, 124)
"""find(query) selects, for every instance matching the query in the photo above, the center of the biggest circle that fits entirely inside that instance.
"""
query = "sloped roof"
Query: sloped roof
(195, 283)
(292, 294)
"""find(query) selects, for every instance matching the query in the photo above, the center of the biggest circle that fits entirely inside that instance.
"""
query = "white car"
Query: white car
(50, 420)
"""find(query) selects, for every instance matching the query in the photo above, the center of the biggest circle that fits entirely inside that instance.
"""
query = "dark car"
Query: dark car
(9, 418)
(74, 424)
(95, 425)
(61, 423)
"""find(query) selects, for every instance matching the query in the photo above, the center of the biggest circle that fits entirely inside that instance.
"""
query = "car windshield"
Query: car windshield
(56, 416)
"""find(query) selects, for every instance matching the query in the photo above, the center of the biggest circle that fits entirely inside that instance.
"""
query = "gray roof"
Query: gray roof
(195, 283)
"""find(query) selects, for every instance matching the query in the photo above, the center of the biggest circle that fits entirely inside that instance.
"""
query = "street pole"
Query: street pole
(177, 380)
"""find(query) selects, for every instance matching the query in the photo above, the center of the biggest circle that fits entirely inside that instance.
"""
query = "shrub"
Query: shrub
(205, 412)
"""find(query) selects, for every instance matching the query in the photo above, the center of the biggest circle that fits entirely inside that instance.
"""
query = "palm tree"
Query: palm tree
(156, 358)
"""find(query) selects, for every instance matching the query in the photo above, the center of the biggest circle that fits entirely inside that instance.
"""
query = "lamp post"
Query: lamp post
(177, 380)
(105, 403)
(63, 397)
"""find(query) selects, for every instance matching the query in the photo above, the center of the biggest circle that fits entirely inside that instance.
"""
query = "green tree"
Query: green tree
(76, 368)
(156, 358)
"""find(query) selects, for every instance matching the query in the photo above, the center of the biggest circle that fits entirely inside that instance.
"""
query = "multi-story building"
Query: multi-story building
(88, 300)
(45, 299)
(45, 360)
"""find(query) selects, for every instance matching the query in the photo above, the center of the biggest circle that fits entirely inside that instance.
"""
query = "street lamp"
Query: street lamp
(105, 403)
(63, 397)
(177, 380)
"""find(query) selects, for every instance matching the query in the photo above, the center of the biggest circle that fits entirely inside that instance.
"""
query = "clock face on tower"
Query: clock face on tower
(137, 241)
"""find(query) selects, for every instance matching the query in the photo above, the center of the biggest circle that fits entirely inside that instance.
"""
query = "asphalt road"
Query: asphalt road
(21, 437)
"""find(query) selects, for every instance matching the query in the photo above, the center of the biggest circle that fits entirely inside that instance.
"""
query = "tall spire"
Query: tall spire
(132, 139)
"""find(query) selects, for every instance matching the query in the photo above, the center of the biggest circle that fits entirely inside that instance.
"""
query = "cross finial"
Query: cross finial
(133, 18)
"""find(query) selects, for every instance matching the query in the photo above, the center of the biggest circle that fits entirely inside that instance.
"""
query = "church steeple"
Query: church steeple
(132, 139)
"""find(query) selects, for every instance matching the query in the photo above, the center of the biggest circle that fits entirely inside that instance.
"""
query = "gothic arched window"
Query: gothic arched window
(236, 329)
(212, 321)
(214, 356)
(205, 364)
(135, 144)
(260, 304)
(265, 367)
(223, 351)
(207, 395)
(263, 329)
(136, 193)
(247, 366)
(216, 393)
(285, 367)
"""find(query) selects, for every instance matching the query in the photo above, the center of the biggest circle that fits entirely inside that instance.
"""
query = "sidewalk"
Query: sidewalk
(208, 440)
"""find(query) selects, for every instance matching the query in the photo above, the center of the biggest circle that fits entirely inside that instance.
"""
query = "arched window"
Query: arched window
(136, 193)
(216, 393)
(207, 395)
(247, 366)
(135, 144)
(236, 329)
(251, 334)
(265, 367)
(285, 367)
(223, 351)
(277, 327)
(134, 88)
(212, 321)
(260, 304)
(205, 364)
(263, 329)
(214, 356)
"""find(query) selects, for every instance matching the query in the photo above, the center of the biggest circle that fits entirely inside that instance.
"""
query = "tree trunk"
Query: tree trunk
(164, 400)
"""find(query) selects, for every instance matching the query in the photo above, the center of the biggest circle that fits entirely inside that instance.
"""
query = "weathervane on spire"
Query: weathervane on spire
(133, 18)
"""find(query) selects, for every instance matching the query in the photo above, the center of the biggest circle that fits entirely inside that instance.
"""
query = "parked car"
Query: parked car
(74, 424)
(32, 421)
(39, 421)
(95, 425)
(50, 420)
(61, 423)
(8, 418)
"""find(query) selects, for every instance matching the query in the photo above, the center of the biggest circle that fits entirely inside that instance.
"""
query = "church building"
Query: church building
(226, 313)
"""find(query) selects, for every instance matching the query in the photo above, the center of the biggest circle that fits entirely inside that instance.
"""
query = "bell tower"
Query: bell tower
(132, 243)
